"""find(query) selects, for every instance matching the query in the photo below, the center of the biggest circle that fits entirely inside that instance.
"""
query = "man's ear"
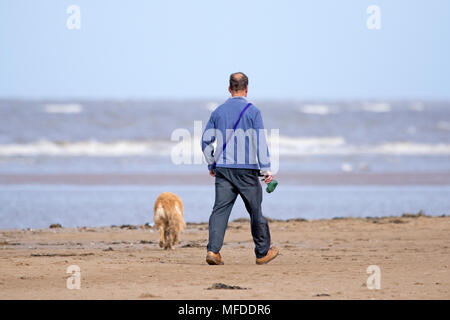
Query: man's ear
(229, 90)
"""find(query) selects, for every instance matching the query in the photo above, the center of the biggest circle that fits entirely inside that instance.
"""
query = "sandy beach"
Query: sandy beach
(320, 259)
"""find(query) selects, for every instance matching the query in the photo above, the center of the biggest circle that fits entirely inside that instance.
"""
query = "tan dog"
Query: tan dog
(168, 218)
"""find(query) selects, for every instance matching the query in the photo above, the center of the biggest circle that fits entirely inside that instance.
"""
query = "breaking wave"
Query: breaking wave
(87, 148)
(376, 107)
(67, 108)
(291, 146)
(319, 109)
(337, 146)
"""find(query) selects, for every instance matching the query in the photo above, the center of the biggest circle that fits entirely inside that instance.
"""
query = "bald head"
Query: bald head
(238, 82)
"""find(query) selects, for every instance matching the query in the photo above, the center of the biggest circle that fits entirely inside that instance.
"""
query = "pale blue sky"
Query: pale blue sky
(179, 49)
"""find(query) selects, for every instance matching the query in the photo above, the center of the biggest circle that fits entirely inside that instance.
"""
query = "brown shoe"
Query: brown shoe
(214, 258)
(271, 254)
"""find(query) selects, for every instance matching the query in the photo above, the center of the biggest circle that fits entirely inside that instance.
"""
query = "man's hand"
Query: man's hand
(212, 173)
(268, 176)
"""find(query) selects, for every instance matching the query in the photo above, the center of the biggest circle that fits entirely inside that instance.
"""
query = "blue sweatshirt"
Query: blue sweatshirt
(247, 146)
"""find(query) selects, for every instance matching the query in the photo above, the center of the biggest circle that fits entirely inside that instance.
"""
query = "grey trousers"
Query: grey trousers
(230, 183)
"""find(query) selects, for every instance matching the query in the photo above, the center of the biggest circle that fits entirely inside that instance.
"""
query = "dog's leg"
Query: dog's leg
(172, 241)
(170, 236)
(162, 235)
(167, 238)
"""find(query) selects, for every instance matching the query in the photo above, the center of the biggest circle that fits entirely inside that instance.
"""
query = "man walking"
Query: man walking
(241, 153)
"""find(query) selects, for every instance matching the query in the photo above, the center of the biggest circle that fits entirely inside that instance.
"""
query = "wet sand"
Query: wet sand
(296, 178)
(321, 259)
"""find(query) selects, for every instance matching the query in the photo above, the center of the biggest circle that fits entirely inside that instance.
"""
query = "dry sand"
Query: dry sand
(323, 259)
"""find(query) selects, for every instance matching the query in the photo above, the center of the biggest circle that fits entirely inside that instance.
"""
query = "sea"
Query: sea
(102, 163)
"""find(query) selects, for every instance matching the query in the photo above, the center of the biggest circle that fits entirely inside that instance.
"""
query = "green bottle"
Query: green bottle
(271, 186)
